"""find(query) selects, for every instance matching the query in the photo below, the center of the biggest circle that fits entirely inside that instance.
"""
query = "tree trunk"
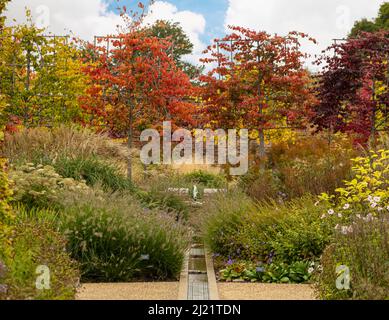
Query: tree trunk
(130, 140)
(373, 119)
(262, 150)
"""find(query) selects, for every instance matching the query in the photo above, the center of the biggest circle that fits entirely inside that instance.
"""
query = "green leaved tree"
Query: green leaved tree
(3, 4)
(381, 22)
(181, 44)
(41, 77)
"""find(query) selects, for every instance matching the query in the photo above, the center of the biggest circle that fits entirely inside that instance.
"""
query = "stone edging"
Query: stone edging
(184, 278)
(212, 283)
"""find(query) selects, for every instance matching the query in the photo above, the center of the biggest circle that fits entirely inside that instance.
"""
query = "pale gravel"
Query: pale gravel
(129, 291)
(259, 291)
(169, 291)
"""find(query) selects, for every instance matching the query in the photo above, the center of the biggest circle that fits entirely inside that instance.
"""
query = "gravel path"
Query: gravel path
(249, 291)
(129, 291)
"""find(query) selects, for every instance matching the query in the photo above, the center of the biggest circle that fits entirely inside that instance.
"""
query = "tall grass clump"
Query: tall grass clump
(43, 146)
(98, 173)
(364, 250)
(307, 165)
(94, 172)
(36, 242)
(240, 229)
(115, 239)
(41, 186)
(359, 215)
(164, 200)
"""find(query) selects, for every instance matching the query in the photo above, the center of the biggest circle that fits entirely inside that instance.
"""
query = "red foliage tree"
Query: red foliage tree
(353, 88)
(259, 81)
(135, 85)
(136, 81)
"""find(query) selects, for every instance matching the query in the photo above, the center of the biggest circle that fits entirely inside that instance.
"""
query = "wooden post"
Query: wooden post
(373, 118)
(130, 139)
(262, 150)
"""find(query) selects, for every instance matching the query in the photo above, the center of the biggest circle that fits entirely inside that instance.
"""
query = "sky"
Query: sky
(204, 20)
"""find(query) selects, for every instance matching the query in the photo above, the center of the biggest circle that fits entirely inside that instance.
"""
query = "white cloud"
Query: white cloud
(321, 19)
(87, 18)
(192, 23)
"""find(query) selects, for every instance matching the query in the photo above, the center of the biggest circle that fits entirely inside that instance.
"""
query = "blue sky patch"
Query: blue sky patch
(214, 12)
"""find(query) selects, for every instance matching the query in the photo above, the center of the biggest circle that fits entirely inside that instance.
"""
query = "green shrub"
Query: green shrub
(98, 173)
(6, 214)
(223, 221)
(114, 239)
(359, 215)
(292, 232)
(37, 243)
(297, 272)
(363, 248)
(205, 179)
(94, 172)
(39, 186)
(368, 190)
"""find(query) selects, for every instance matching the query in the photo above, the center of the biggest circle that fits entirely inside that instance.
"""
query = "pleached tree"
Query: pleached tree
(258, 82)
(353, 90)
(135, 84)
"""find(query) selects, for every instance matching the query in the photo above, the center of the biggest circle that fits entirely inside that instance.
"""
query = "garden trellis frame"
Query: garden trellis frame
(262, 144)
(385, 121)
(127, 98)
(122, 95)
(107, 40)
(29, 71)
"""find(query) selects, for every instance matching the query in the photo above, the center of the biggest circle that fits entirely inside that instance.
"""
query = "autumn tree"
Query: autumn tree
(6, 215)
(135, 85)
(181, 44)
(258, 82)
(3, 4)
(353, 90)
(41, 77)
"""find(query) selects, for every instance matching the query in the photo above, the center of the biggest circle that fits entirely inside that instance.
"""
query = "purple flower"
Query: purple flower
(230, 262)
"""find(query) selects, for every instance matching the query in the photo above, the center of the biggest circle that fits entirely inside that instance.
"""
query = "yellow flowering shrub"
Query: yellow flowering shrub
(368, 191)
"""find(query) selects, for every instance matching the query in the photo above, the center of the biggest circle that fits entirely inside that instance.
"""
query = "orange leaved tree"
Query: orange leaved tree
(258, 81)
(135, 84)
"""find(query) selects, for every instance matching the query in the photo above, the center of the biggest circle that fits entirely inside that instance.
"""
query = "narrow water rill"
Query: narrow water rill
(198, 288)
